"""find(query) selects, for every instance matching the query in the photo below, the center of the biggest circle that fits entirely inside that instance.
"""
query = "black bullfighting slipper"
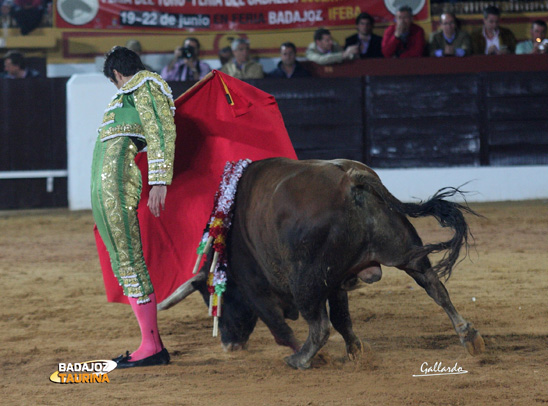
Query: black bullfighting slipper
(160, 358)
(120, 357)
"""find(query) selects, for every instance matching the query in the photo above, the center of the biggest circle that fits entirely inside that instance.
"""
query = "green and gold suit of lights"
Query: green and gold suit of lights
(141, 110)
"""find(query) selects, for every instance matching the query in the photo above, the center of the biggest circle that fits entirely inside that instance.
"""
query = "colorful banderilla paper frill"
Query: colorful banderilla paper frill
(215, 235)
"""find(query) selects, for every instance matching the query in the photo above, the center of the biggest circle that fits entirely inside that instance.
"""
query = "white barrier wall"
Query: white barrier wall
(486, 184)
(89, 94)
(87, 98)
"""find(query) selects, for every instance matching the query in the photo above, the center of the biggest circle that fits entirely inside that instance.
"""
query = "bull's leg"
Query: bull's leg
(318, 333)
(340, 319)
(238, 319)
(430, 281)
(272, 315)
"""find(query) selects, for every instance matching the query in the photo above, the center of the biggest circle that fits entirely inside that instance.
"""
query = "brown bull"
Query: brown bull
(303, 231)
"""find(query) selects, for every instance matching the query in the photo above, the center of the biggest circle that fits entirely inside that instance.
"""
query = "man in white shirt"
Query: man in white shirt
(535, 45)
(492, 39)
(325, 51)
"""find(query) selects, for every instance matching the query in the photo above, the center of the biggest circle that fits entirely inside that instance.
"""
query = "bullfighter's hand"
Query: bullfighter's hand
(157, 199)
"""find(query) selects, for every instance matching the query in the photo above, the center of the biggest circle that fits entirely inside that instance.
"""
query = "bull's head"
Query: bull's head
(238, 319)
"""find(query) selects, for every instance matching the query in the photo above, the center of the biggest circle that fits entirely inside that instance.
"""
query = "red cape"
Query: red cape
(210, 132)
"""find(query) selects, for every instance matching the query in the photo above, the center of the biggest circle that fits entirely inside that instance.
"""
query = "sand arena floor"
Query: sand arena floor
(53, 309)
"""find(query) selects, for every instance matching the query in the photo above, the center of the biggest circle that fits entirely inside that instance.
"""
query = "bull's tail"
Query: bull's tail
(448, 214)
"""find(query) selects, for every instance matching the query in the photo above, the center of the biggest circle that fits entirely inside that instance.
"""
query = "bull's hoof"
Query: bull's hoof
(230, 347)
(356, 349)
(474, 342)
(296, 362)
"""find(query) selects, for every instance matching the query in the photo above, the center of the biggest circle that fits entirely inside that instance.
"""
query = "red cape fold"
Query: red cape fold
(210, 131)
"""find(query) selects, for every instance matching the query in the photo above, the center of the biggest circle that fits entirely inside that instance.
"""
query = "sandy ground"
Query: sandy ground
(53, 309)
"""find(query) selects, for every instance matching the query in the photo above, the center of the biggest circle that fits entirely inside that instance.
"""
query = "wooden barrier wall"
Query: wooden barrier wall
(470, 119)
(495, 118)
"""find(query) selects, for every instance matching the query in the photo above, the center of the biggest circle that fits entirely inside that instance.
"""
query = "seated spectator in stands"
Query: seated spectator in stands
(404, 39)
(289, 66)
(5, 7)
(325, 51)
(135, 46)
(186, 64)
(534, 45)
(241, 67)
(369, 44)
(15, 67)
(225, 55)
(26, 13)
(492, 39)
(450, 40)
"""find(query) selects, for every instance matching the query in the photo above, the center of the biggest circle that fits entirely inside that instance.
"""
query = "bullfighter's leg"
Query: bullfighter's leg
(430, 281)
(340, 319)
(318, 333)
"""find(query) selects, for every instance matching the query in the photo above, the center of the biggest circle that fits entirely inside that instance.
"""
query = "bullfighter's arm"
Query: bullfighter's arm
(154, 109)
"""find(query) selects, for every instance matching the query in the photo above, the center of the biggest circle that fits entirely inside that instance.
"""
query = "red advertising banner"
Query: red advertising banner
(225, 15)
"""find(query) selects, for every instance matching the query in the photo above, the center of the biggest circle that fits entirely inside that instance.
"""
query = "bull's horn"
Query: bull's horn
(182, 291)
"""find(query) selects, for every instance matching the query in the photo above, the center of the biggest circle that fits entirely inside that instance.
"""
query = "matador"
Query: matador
(139, 116)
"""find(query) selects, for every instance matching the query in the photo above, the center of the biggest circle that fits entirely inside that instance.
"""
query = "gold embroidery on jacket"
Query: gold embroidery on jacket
(108, 117)
(123, 130)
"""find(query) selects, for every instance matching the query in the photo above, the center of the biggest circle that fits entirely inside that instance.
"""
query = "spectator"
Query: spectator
(289, 66)
(15, 67)
(325, 51)
(450, 40)
(135, 46)
(534, 45)
(369, 44)
(241, 67)
(5, 7)
(26, 13)
(225, 55)
(404, 39)
(492, 39)
(186, 64)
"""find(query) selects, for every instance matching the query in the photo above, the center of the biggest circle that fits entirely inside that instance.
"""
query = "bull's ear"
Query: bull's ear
(182, 291)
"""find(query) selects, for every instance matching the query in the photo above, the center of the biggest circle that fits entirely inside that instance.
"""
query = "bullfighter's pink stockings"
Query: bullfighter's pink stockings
(146, 314)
